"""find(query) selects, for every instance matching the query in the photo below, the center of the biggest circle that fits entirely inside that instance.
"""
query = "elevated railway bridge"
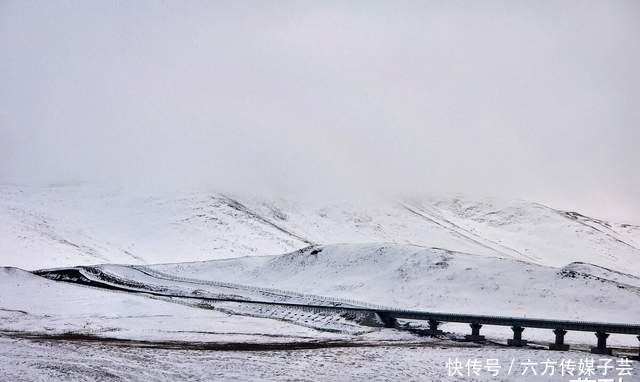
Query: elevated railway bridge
(389, 317)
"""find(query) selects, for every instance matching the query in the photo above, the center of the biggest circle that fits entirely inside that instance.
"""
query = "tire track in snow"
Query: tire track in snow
(236, 205)
(466, 234)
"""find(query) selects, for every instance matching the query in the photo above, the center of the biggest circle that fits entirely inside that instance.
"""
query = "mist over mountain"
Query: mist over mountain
(535, 102)
(319, 190)
(80, 224)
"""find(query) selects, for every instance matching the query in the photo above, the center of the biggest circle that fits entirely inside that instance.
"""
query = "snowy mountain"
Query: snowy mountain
(356, 275)
(432, 279)
(79, 224)
(34, 304)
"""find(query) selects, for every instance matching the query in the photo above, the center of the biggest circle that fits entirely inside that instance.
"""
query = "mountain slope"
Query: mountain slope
(35, 305)
(413, 277)
(71, 225)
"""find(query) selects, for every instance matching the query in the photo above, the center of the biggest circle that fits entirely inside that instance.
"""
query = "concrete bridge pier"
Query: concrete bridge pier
(387, 320)
(517, 337)
(602, 344)
(559, 344)
(433, 328)
(475, 333)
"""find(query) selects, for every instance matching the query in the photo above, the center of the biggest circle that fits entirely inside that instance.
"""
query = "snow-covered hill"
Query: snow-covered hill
(79, 224)
(391, 275)
(412, 277)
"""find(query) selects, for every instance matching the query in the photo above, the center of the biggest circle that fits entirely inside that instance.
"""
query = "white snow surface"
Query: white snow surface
(432, 279)
(69, 225)
(33, 304)
(400, 275)
(438, 253)
(71, 361)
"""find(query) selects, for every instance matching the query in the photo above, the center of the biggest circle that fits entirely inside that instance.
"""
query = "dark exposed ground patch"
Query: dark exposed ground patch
(222, 346)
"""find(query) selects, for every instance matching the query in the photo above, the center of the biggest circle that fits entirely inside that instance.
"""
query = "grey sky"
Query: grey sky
(531, 99)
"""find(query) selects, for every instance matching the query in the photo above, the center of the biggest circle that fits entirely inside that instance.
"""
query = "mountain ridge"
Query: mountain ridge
(44, 227)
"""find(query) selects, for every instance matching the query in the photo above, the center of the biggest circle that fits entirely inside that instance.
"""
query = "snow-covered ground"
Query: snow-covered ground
(412, 277)
(443, 254)
(81, 224)
(32, 304)
(391, 275)
(24, 360)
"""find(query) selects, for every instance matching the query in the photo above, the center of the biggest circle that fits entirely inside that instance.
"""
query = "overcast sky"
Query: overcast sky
(525, 99)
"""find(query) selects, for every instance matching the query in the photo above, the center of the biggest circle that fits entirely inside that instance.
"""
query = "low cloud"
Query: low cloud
(532, 99)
